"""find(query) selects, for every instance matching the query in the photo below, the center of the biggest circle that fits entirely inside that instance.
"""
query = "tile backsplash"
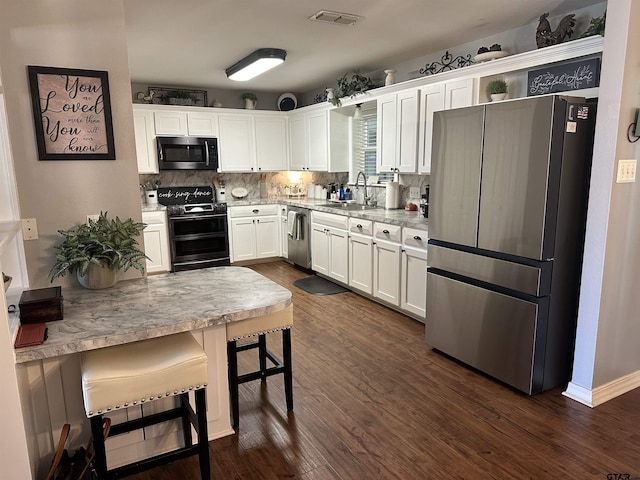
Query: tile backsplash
(272, 185)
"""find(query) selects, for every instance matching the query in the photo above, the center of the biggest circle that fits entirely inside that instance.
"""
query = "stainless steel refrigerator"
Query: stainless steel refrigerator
(509, 186)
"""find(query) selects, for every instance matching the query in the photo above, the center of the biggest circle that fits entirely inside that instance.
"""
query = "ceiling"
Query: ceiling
(190, 43)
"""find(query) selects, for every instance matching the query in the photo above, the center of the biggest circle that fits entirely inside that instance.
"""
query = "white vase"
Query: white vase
(98, 277)
(249, 104)
(496, 97)
(330, 94)
(390, 79)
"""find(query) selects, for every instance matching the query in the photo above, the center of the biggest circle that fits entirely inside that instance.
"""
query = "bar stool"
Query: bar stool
(260, 326)
(129, 375)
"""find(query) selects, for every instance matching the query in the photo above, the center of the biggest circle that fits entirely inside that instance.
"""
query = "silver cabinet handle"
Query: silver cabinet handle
(385, 231)
(417, 237)
(359, 226)
(255, 210)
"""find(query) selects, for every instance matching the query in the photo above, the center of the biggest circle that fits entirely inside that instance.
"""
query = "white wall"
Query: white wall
(607, 357)
(59, 194)
(517, 40)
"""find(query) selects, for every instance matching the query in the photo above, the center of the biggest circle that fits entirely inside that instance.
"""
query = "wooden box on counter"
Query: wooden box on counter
(41, 305)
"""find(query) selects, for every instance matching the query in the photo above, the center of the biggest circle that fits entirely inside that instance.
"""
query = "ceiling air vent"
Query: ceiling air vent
(336, 18)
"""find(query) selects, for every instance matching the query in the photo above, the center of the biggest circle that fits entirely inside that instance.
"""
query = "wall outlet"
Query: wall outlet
(626, 171)
(414, 192)
(29, 229)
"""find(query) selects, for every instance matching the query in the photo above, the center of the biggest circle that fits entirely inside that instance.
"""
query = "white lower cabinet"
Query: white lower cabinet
(386, 263)
(330, 245)
(386, 267)
(414, 272)
(254, 232)
(156, 242)
(284, 232)
(361, 255)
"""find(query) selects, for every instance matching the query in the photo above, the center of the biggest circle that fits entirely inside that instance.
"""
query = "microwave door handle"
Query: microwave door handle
(206, 155)
(160, 152)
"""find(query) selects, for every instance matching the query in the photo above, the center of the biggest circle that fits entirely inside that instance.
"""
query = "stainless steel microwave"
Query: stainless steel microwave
(187, 153)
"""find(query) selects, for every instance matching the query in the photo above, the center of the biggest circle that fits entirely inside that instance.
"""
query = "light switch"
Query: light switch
(414, 192)
(29, 229)
(626, 171)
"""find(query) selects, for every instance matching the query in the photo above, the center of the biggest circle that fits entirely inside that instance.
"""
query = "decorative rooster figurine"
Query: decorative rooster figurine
(545, 37)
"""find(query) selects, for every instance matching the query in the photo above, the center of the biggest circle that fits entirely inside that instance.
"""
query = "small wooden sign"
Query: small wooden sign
(561, 78)
(72, 113)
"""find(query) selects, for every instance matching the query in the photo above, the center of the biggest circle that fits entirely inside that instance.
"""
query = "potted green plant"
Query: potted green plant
(596, 26)
(350, 87)
(250, 100)
(98, 249)
(497, 89)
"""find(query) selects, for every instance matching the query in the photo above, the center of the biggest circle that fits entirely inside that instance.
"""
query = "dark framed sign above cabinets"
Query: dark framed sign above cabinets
(576, 75)
(72, 113)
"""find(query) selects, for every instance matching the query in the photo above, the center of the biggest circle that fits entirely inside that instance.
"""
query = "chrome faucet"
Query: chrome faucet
(367, 199)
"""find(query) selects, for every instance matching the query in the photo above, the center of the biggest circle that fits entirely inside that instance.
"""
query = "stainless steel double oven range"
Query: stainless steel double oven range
(198, 229)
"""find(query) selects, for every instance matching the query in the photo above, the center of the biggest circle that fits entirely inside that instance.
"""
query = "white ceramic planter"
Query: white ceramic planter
(98, 277)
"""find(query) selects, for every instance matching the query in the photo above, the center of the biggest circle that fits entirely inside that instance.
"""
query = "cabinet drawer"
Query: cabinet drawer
(412, 237)
(154, 217)
(253, 210)
(384, 231)
(363, 227)
(330, 220)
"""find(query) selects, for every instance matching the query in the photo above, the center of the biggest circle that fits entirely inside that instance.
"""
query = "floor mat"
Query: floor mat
(318, 286)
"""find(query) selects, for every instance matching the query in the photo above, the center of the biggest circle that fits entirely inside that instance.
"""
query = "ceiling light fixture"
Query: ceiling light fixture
(256, 63)
(336, 18)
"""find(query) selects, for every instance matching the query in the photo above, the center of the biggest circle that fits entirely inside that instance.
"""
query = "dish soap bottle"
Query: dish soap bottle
(341, 192)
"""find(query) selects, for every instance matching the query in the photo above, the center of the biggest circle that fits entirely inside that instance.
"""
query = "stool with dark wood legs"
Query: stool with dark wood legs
(135, 373)
(259, 327)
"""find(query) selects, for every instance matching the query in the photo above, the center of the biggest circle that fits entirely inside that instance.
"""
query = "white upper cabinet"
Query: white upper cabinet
(317, 127)
(253, 142)
(202, 124)
(171, 123)
(319, 141)
(271, 143)
(179, 123)
(439, 96)
(144, 131)
(237, 143)
(297, 143)
(397, 139)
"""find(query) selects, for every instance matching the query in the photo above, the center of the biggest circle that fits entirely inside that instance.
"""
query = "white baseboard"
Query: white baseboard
(603, 393)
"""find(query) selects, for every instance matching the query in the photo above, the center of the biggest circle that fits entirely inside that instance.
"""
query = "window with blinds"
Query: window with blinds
(364, 148)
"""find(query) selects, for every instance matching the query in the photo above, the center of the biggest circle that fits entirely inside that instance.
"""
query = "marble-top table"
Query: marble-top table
(157, 305)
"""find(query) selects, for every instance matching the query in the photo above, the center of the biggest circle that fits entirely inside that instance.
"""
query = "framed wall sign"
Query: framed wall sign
(565, 77)
(72, 113)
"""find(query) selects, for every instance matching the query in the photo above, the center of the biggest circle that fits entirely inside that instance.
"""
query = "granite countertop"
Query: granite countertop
(153, 208)
(399, 216)
(155, 306)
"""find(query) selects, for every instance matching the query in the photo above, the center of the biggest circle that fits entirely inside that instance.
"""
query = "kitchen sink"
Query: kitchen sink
(349, 206)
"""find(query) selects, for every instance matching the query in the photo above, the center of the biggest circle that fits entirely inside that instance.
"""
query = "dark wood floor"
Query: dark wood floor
(372, 401)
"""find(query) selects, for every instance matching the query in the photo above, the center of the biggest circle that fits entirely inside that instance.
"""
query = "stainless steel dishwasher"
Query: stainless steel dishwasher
(298, 236)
